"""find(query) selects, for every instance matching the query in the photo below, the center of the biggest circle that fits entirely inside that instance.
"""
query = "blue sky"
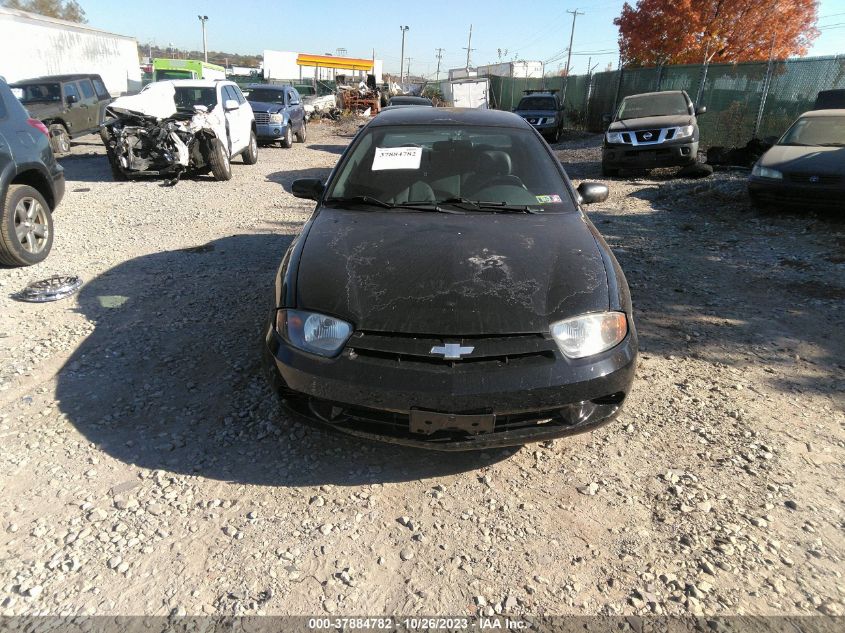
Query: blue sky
(537, 30)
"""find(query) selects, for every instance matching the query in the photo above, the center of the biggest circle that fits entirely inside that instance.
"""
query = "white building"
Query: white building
(34, 45)
(286, 65)
(520, 69)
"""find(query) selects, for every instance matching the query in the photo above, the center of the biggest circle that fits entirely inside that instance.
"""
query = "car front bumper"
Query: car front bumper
(795, 195)
(375, 399)
(270, 131)
(649, 156)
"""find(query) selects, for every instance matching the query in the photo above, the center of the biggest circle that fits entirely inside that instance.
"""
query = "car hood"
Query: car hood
(651, 123)
(266, 106)
(433, 273)
(801, 159)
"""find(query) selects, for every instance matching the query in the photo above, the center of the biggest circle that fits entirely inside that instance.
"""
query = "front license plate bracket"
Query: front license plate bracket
(428, 422)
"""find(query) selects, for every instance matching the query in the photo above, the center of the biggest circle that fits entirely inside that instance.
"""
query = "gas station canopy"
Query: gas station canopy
(330, 61)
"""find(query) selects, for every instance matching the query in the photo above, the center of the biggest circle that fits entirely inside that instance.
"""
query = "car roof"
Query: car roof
(830, 112)
(57, 78)
(449, 116)
(267, 87)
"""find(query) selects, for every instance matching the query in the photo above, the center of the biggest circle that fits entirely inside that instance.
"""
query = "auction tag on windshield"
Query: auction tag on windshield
(397, 158)
(552, 199)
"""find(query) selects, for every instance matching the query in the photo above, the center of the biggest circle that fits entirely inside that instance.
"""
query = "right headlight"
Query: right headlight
(313, 332)
(589, 334)
(614, 137)
(766, 172)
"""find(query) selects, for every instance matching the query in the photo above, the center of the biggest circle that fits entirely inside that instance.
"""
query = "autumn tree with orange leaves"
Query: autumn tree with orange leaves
(691, 31)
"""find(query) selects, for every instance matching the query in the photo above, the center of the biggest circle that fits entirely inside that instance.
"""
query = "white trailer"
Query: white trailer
(469, 93)
(33, 45)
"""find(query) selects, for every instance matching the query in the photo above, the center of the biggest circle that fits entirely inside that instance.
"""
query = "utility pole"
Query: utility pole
(203, 19)
(468, 47)
(404, 29)
(439, 55)
(408, 69)
(575, 14)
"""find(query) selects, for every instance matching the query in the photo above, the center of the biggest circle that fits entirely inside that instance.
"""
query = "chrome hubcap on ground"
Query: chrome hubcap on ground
(31, 225)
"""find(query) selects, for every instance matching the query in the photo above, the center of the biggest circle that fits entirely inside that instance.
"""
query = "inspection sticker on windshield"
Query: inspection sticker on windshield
(397, 158)
(552, 199)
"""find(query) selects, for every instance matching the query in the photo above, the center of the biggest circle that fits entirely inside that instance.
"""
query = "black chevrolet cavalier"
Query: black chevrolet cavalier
(449, 292)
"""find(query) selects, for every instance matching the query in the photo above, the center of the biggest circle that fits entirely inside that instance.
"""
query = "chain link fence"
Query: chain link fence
(744, 100)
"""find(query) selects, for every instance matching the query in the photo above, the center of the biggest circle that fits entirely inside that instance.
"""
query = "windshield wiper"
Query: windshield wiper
(831, 144)
(358, 200)
(504, 207)
(480, 205)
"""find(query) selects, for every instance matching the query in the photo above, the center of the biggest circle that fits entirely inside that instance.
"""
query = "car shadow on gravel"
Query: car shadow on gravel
(86, 167)
(171, 377)
(286, 178)
(735, 288)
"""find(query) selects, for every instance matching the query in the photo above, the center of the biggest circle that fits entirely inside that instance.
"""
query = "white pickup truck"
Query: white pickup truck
(172, 127)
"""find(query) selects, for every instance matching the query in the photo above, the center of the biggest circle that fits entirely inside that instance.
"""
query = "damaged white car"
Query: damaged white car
(175, 127)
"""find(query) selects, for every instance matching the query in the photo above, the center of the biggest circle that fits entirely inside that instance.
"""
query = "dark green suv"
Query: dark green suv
(69, 105)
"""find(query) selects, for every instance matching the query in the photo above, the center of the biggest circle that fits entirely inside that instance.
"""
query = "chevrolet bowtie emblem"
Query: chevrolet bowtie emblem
(452, 351)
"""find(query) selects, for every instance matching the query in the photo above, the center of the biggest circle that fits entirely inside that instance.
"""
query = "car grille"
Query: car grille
(403, 349)
(647, 136)
(815, 179)
(262, 117)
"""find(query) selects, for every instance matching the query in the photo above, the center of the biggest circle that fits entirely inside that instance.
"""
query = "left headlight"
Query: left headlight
(685, 131)
(278, 117)
(766, 172)
(313, 332)
(589, 334)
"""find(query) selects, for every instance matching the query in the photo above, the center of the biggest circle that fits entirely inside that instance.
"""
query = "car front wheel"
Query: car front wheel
(250, 154)
(218, 158)
(26, 227)
(287, 140)
(59, 139)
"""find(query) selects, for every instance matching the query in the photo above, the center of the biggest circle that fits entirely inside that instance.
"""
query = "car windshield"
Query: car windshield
(640, 106)
(38, 93)
(187, 97)
(468, 169)
(267, 96)
(536, 103)
(816, 131)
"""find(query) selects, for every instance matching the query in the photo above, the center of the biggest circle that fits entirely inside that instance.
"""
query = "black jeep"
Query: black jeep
(69, 105)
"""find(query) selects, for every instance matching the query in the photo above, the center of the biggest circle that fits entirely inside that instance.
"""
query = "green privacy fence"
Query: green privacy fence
(743, 100)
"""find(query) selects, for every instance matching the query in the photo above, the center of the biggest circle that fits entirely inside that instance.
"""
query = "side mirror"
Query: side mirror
(308, 188)
(606, 119)
(231, 104)
(295, 102)
(700, 110)
(71, 99)
(591, 192)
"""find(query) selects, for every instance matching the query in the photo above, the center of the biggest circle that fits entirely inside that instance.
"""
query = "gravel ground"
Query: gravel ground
(146, 468)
